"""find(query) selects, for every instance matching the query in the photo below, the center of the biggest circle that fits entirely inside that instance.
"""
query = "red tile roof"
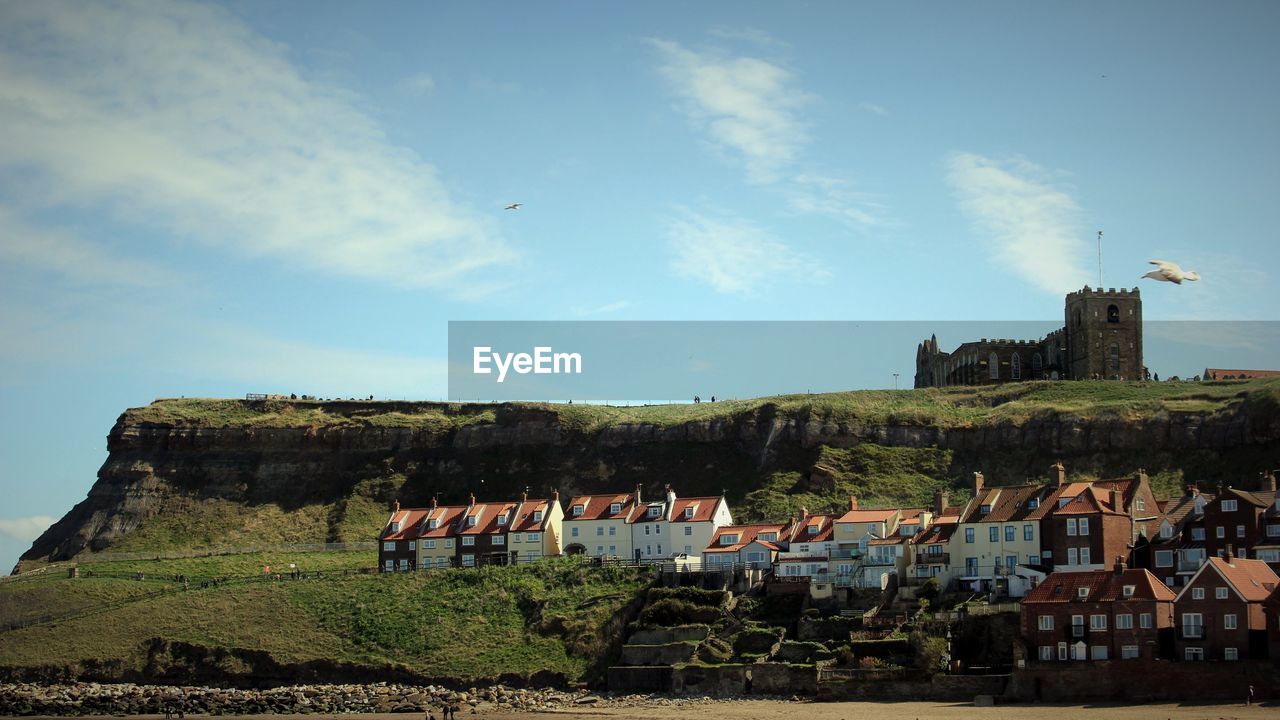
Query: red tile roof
(487, 515)
(446, 517)
(596, 507)
(1103, 585)
(704, 509)
(747, 534)
(864, 516)
(1254, 580)
(525, 510)
(1223, 373)
(1090, 501)
(1007, 503)
(408, 519)
(800, 531)
(939, 532)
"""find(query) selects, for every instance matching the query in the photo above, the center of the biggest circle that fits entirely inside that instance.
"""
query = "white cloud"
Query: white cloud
(603, 309)
(75, 258)
(180, 118)
(874, 108)
(1031, 227)
(732, 255)
(419, 84)
(25, 529)
(745, 105)
(834, 198)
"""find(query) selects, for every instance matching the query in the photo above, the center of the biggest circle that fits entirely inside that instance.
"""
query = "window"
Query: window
(769, 536)
(448, 543)
(688, 530)
(728, 539)
(1164, 558)
(613, 549)
(688, 513)
(646, 529)
(1128, 652)
(1220, 532)
(1144, 621)
(1128, 590)
(1073, 556)
(1046, 653)
(993, 534)
(531, 537)
(971, 566)
(1230, 653)
(389, 546)
(1015, 367)
(599, 531)
(993, 366)
(1097, 622)
(1166, 531)
(468, 561)
(1071, 527)
(755, 557)
(1084, 556)
(1115, 357)
(573, 531)
(442, 562)
(1229, 621)
(1097, 652)
(1229, 506)
(468, 541)
(1062, 651)
(1033, 559)
(1124, 622)
(1197, 593)
(1082, 593)
(1028, 532)
(434, 524)
(1037, 367)
(1197, 533)
(1033, 503)
(388, 566)
(1273, 531)
(429, 544)
(1009, 533)
(404, 564)
(537, 516)
(1113, 314)
(1046, 622)
(578, 509)
(1078, 651)
(1192, 625)
(655, 511)
(615, 508)
(613, 530)
(600, 550)
(1219, 593)
(1010, 561)
(968, 535)
(471, 521)
(1239, 531)
(984, 509)
(1140, 505)
(1193, 654)
(498, 540)
(688, 549)
(1084, 526)
(502, 519)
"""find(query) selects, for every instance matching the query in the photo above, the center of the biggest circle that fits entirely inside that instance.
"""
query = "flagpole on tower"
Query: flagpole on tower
(1099, 259)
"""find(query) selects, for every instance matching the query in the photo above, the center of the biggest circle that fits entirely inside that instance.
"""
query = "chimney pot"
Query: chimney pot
(396, 505)
(433, 502)
(979, 482)
(472, 497)
(1060, 474)
(1120, 565)
(853, 502)
(1116, 501)
(1230, 556)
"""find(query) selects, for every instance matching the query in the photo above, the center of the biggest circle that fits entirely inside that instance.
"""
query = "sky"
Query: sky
(208, 199)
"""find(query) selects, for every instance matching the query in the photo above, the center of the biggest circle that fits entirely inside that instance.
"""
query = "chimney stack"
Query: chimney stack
(524, 496)
(395, 507)
(940, 500)
(638, 500)
(1230, 557)
(555, 496)
(979, 482)
(434, 504)
(853, 503)
(1268, 481)
(804, 513)
(1193, 490)
(1142, 475)
(1060, 474)
(1117, 503)
(472, 497)
(1120, 566)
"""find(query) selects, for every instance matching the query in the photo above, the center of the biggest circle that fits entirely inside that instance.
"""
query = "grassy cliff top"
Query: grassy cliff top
(945, 407)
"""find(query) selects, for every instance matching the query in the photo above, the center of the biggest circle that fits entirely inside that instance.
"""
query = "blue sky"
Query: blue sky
(202, 199)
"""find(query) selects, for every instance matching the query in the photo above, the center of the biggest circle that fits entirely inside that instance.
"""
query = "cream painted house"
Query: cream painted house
(536, 529)
(437, 535)
(694, 522)
(600, 525)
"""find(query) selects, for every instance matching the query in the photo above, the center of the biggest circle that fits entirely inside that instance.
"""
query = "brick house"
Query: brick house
(1235, 518)
(535, 530)
(438, 536)
(1087, 526)
(482, 534)
(1174, 554)
(1221, 613)
(398, 541)
(1122, 613)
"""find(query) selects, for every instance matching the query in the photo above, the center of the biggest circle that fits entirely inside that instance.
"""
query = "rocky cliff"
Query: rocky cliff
(193, 473)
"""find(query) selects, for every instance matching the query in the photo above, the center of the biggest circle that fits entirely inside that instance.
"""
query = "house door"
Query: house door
(515, 555)
(637, 555)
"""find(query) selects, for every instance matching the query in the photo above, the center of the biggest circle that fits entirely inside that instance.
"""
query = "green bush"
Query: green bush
(670, 611)
(929, 590)
(756, 642)
(693, 595)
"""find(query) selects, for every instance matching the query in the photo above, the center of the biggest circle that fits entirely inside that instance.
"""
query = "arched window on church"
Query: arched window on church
(993, 366)
(1037, 367)
(1015, 367)
(1115, 357)
(1113, 314)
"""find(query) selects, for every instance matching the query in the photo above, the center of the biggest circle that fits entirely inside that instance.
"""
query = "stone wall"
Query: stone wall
(668, 654)
(1145, 680)
(937, 688)
(636, 679)
(783, 679)
(662, 636)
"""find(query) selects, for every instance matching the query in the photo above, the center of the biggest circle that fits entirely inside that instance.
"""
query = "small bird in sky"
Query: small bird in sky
(513, 206)
(1170, 272)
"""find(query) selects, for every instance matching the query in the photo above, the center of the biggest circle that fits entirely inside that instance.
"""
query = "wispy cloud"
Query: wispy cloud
(874, 108)
(835, 198)
(732, 255)
(25, 529)
(418, 84)
(746, 106)
(603, 309)
(1030, 226)
(180, 118)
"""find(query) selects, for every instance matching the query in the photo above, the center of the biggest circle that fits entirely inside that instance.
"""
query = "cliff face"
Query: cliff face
(159, 471)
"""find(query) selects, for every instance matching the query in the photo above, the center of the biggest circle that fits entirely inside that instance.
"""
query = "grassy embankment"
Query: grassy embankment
(461, 624)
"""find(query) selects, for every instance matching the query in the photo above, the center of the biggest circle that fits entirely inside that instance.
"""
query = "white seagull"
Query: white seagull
(1170, 272)
(513, 206)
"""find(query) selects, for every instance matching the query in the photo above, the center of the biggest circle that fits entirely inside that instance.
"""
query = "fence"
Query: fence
(218, 551)
(991, 609)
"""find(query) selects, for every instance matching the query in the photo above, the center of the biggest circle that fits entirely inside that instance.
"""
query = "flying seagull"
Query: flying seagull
(1170, 272)
(513, 206)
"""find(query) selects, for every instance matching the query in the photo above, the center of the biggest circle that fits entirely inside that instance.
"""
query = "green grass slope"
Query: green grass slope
(455, 624)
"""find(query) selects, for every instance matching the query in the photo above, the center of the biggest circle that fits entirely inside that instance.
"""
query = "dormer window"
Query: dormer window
(688, 513)
(471, 521)
(615, 508)
(813, 529)
(395, 527)
(984, 509)
(537, 516)
(655, 511)
(433, 524)
(907, 530)
(1033, 503)
(1166, 531)
(1082, 593)
(769, 537)
(1229, 506)
(1062, 502)
(728, 539)
(1128, 591)
(502, 519)
(579, 509)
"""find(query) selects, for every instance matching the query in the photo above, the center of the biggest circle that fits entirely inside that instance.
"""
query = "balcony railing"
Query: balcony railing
(933, 558)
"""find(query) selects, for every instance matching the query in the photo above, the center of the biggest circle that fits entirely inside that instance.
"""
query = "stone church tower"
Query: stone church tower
(1104, 334)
